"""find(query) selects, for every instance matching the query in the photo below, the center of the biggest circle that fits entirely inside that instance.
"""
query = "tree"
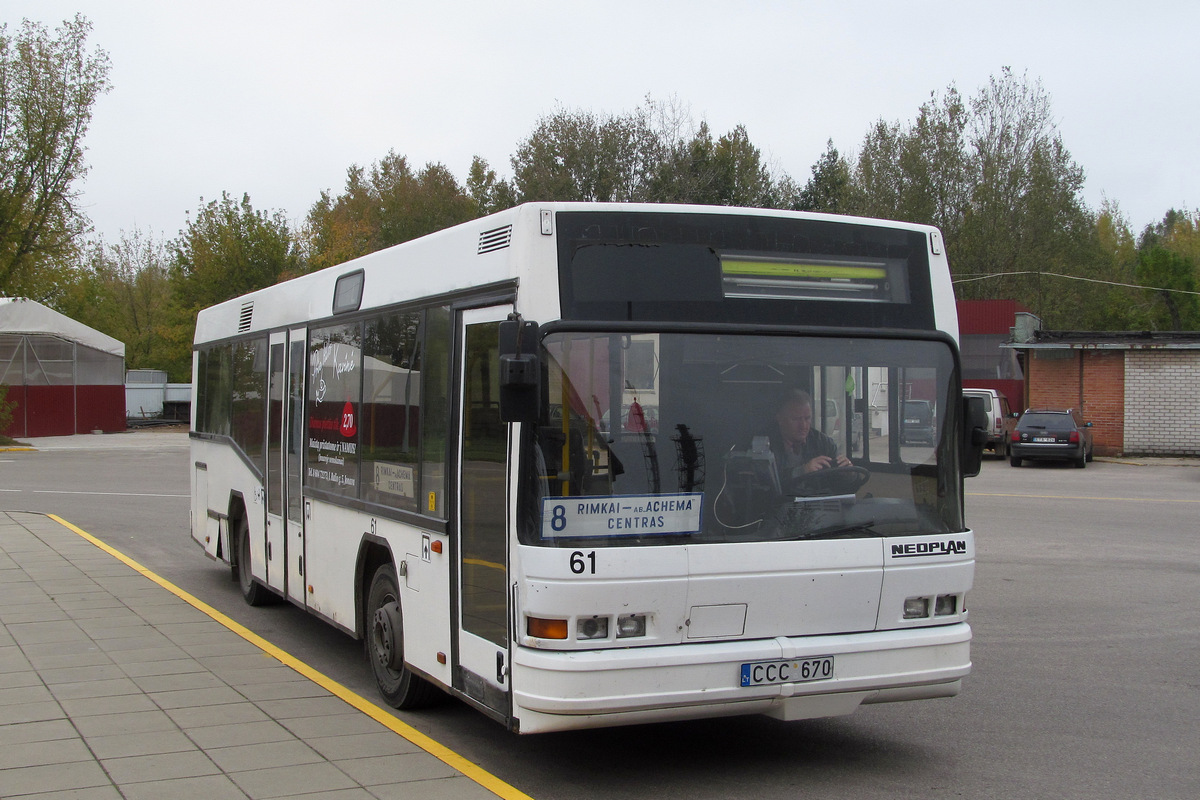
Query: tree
(994, 174)
(828, 190)
(386, 206)
(1168, 264)
(124, 291)
(653, 154)
(490, 193)
(725, 172)
(48, 86)
(578, 155)
(227, 250)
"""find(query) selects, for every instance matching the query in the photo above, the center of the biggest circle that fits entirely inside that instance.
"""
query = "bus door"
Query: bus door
(293, 460)
(276, 415)
(480, 528)
(285, 455)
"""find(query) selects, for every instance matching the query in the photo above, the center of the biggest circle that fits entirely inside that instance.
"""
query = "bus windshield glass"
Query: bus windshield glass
(671, 437)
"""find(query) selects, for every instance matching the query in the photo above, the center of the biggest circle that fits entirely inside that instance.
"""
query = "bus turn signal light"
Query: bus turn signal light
(546, 628)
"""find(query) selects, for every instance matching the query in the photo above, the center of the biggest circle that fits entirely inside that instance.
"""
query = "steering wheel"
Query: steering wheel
(828, 481)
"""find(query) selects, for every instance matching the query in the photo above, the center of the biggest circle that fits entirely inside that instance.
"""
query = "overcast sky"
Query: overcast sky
(277, 98)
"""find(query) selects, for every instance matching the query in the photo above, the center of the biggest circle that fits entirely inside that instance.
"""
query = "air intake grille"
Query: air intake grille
(495, 239)
(246, 316)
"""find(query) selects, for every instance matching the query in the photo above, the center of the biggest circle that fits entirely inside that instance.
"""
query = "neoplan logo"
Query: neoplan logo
(916, 549)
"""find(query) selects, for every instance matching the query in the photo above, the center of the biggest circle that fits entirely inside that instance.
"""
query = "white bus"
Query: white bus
(532, 461)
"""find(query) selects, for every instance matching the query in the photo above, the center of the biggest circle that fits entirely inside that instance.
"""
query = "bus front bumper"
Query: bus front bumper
(599, 688)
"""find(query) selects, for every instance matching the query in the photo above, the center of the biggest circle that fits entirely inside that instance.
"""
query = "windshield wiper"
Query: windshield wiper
(833, 531)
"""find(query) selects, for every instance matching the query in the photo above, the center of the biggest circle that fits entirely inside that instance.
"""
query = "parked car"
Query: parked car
(918, 424)
(1051, 433)
(1001, 419)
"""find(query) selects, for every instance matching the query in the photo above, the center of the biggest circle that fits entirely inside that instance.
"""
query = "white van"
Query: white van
(1001, 420)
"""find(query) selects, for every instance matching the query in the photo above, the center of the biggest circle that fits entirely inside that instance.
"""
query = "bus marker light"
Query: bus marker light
(546, 628)
(436, 546)
(629, 625)
(441, 658)
(592, 628)
(916, 608)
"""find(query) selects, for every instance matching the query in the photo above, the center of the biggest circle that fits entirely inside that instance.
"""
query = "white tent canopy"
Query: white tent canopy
(19, 315)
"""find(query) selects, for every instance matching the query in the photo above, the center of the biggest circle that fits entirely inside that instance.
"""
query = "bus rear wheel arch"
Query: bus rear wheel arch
(384, 642)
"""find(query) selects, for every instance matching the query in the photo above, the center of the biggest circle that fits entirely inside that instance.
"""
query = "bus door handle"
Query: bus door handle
(501, 669)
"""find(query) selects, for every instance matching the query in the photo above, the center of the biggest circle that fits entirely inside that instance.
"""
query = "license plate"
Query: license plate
(797, 670)
(1047, 439)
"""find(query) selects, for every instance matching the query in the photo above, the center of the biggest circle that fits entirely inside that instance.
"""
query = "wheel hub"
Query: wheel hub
(385, 629)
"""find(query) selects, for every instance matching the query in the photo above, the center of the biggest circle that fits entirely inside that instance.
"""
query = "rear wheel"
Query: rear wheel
(385, 646)
(1081, 462)
(1014, 461)
(253, 592)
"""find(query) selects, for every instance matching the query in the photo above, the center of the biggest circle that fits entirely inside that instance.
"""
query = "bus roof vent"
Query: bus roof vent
(245, 317)
(495, 239)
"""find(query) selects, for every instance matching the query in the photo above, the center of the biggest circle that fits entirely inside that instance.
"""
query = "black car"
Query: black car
(918, 427)
(1052, 434)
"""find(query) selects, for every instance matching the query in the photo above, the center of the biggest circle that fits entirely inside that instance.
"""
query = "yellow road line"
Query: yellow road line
(429, 745)
(1078, 497)
(479, 562)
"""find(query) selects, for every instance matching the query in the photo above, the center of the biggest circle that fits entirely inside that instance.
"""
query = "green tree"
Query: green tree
(229, 249)
(579, 155)
(6, 412)
(829, 188)
(994, 174)
(388, 205)
(726, 172)
(1168, 264)
(491, 194)
(653, 154)
(124, 291)
(48, 86)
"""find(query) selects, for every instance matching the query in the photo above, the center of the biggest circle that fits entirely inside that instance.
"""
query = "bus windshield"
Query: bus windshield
(671, 437)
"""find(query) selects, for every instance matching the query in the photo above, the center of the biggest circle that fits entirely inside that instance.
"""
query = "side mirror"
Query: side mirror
(974, 435)
(520, 370)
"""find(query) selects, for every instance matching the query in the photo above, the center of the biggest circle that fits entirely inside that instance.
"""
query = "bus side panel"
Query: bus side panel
(225, 480)
(424, 596)
(331, 539)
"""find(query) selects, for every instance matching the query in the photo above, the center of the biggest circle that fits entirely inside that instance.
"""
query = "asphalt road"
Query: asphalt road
(1086, 680)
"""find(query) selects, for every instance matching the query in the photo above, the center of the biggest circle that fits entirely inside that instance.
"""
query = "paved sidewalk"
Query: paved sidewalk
(111, 686)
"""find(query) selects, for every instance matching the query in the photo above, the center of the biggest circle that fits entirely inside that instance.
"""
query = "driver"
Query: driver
(800, 447)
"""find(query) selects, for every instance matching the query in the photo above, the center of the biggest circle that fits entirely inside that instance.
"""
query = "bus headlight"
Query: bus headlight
(591, 628)
(629, 625)
(946, 605)
(916, 608)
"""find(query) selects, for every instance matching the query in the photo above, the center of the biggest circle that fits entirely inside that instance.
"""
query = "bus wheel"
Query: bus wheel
(385, 646)
(254, 593)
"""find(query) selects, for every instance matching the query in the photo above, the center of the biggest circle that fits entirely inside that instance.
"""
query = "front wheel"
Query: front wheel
(253, 593)
(1014, 461)
(385, 646)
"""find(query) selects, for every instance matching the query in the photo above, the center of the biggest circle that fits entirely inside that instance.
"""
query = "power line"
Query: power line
(1073, 278)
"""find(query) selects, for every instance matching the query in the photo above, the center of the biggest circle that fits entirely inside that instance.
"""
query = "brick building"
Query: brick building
(1139, 389)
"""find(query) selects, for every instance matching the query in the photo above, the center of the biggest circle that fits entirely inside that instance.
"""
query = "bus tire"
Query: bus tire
(385, 646)
(253, 592)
